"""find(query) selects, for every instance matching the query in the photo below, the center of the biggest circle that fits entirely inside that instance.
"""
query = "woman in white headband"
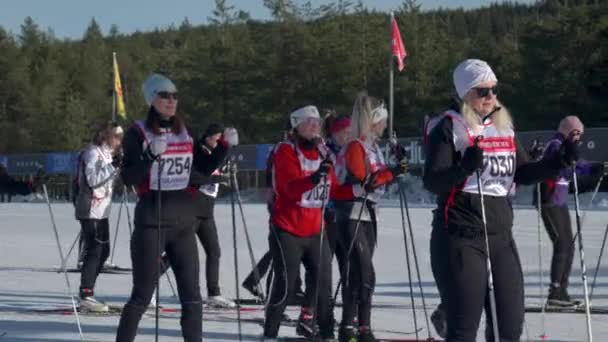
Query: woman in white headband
(365, 169)
(480, 137)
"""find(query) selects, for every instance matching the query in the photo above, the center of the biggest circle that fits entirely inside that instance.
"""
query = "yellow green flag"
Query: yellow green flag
(120, 103)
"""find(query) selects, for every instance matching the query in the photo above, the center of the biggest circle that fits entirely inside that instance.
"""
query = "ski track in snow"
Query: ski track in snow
(28, 247)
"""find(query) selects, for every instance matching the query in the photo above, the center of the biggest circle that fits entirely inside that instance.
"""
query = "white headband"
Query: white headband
(300, 115)
(471, 73)
(378, 114)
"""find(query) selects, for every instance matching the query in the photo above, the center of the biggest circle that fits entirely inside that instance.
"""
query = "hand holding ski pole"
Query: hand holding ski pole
(568, 153)
(401, 168)
(231, 136)
(473, 157)
(157, 146)
(536, 150)
(396, 149)
(117, 159)
(322, 171)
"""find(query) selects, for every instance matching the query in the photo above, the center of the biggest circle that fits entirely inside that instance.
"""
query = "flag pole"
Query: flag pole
(113, 87)
(391, 85)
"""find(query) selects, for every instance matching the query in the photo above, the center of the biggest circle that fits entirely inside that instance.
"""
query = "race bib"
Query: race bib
(315, 197)
(174, 171)
(498, 167)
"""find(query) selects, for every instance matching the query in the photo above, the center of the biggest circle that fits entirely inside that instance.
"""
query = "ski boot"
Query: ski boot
(558, 296)
(439, 321)
(366, 334)
(347, 333)
(221, 302)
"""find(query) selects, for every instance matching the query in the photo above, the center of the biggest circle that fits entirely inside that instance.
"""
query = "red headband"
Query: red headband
(339, 125)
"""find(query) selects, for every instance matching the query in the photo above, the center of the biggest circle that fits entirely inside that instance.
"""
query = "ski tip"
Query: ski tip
(544, 337)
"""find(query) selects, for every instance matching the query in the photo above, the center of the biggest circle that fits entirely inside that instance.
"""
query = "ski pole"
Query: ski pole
(488, 262)
(256, 273)
(407, 260)
(232, 170)
(158, 249)
(65, 273)
(67, 257)
(416, 264)
(320, 272)
(599, 261)
(582, 253)
(540, 263)
(122, 202)
(589, 206)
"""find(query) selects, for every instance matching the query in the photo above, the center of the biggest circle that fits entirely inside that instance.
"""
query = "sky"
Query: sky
(69, 18)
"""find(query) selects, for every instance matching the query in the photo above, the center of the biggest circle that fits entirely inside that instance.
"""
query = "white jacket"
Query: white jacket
(96, 177)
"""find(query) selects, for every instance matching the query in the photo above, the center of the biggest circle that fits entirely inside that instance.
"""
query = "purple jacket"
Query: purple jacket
(555, 191)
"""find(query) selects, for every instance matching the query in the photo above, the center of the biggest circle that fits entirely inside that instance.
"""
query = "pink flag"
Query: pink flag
(397, 45)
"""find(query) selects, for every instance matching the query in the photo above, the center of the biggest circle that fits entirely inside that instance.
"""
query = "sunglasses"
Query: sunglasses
(167, 95)
(484, 92)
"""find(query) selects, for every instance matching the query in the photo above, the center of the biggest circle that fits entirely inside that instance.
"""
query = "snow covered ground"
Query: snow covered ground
(28, 250)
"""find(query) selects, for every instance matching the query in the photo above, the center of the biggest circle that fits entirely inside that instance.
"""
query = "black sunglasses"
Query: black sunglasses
(166, 95)
(484, 92)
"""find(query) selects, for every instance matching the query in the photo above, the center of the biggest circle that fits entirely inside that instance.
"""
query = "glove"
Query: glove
(568, 153)
(536, 150)
(370, 185)
(231, 136)
(117, 159)
(396, 149)
(401, 168)
(321, 172)
(157, 146)
(472, 158)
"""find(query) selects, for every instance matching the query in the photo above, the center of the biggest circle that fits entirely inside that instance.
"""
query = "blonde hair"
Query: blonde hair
(502, 118)
(361, 119)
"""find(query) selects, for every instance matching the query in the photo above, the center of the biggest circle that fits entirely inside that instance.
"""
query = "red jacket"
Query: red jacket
(290, 182)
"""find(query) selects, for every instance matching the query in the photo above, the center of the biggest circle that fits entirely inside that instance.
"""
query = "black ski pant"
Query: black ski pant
(359, 280)
(288, 252)
(207, 235)
(438, 245)
(559, 227)
(336, 243)
(459, 266)
(182, 254)
(262, 267)
(260, 270)
(206, 230)
(96, 239)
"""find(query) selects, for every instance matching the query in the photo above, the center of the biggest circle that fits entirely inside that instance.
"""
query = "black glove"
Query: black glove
(397, 150)
(568, 153)
(472, 158)
(536, 150)
(401, 168)
(321, 172)
(370, 184)
(117, 160)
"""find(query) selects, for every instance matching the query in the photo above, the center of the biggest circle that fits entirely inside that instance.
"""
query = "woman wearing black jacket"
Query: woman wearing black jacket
(481, 137)
(158, 157)
(214, 147)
